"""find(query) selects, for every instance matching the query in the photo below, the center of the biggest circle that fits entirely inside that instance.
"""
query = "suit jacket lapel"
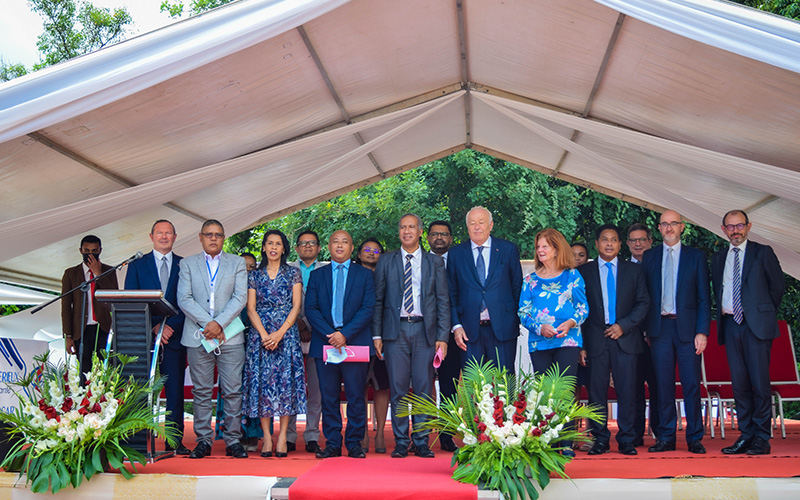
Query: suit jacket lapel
(150, 264)
(426, 273)
(597, 298)
(749, 257)
(494, 260)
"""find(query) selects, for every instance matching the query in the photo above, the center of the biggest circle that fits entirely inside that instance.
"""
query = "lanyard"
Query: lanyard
(211, 302)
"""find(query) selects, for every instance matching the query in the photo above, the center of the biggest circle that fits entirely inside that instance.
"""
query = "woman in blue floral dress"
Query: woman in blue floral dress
(552, 306)
(274, 378)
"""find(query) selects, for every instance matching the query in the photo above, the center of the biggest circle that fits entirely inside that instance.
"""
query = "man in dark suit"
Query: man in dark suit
(91, 329)
(485, 278)
(411, 322)
(748, 284)
(339, 303)
(158, 270)
(677, 329)
(440, 238)
(618, 300)
(640, 239)
(212, 291)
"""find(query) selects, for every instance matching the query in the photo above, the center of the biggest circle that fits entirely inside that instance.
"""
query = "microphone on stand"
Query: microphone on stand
(137, 256)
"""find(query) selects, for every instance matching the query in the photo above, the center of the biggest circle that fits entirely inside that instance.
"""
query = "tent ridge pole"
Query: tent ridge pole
(462, 43)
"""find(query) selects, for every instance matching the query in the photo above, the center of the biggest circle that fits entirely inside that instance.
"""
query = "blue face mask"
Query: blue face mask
(337, 356)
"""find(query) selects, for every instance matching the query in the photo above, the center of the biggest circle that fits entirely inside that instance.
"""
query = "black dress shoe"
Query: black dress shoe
(180, 450)
(202, 449)
(447, 444)
(697, 447)
(662, 446)
(290, 446)
(740, 446)
(236, 450)
(759, 446)
(281, 454)
(599, 449)
(356, 452)
(313, 447)
(329, 452)
(627, 449)
(423, 451)
(400, 452)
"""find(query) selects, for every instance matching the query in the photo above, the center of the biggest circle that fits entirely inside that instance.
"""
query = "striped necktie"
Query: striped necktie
(738, 314)
(408, 293)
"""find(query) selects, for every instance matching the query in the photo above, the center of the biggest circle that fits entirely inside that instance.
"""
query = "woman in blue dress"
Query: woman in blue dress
(274, 378)
(552, 306)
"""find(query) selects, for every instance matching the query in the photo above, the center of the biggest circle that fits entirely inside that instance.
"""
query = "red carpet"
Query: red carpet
(381, 472)
(381, 477)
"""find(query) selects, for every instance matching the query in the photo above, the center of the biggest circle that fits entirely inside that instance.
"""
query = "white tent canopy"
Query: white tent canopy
(261, 107)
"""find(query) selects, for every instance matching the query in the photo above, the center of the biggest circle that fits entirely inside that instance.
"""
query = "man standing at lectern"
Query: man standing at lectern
(92, 328)
(158, 270)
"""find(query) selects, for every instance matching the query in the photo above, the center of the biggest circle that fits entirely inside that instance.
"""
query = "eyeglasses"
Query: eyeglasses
(213, 236)
(674, 223)
(638, 240)
(439, 235)
(376, 251)
(738, 227)
(307, 243)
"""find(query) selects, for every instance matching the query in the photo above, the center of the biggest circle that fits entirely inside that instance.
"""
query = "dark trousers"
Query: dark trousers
(567, 360)
(448, 373)
(667, 349)
(409, 361)
(94, 339)
(748, 358)
(354, 376)
(645, 373)
(173, 366)
(487, 347)
(612, 360)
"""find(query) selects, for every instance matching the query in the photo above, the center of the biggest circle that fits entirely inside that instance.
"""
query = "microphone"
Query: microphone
(138, 255)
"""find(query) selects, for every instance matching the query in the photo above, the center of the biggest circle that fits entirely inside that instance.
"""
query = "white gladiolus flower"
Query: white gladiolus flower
(513, 441)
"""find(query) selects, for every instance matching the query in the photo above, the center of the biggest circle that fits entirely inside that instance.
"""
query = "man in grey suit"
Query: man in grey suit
(212, 291)
(411, 322)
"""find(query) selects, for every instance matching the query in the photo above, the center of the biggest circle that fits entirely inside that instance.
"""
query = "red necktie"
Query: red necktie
(91, 295)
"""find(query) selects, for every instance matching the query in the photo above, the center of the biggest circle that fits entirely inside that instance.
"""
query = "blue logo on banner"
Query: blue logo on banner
(14, 360)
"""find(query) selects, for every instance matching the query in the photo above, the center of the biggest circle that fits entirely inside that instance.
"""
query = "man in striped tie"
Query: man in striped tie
(410, 324)
(748, 284)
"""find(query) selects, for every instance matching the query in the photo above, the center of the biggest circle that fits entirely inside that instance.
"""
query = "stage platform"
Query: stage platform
(670, 475)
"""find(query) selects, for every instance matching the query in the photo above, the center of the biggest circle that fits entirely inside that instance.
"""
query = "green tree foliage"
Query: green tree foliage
(176, 9)
(11, 71)
(785, 8)
(76, 27)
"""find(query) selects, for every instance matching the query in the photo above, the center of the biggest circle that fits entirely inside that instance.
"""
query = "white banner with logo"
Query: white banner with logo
(16, 361)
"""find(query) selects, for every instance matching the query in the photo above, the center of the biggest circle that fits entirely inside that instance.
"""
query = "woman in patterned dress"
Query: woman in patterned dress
(552, 306)
(274, 378)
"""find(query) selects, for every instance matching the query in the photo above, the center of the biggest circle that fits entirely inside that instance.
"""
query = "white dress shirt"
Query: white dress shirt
(416, 280)
(727, 277)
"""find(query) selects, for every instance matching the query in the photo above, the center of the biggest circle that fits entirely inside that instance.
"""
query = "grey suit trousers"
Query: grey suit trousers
(409, 361)
(230, 365)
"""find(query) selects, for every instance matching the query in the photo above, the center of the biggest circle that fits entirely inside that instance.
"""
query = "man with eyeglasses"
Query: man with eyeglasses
(411, 323)
(440, 238)
(212, 291)
(677, 328)
(307, 248)
(640, 239)
(748, 285)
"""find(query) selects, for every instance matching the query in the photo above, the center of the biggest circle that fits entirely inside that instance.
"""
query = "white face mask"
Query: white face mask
(337, 356)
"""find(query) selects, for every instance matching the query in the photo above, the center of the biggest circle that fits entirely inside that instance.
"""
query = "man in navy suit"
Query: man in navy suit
(339, 303)
(748, 285)
(485, 278)
(612, 339)
(677, 329)
(158, 270)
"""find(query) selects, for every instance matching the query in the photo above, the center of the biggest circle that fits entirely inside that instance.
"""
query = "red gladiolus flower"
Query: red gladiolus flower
(481, 427)
(517, 418)
(550, 415)
(119, 402)
(50, 412)
(498, 414)
(477, 419)
(83, 411)
(520, 405)
(67, 405)
(483, 438)
(536, 431)
(96, 408)
(66, 387)
(542, 423)
(89, 392)
(521, 396)
(103, 398)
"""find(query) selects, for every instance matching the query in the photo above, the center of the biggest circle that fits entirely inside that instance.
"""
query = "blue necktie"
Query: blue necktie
(480, 264)
(408, 296)
(611, 288)
(738, 314)
(338, 306)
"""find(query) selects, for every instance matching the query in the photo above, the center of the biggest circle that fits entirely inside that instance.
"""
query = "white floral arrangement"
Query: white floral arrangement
(511, 426)
(66, 430)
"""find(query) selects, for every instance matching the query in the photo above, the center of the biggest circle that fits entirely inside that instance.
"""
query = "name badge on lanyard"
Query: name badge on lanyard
(212, 279)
